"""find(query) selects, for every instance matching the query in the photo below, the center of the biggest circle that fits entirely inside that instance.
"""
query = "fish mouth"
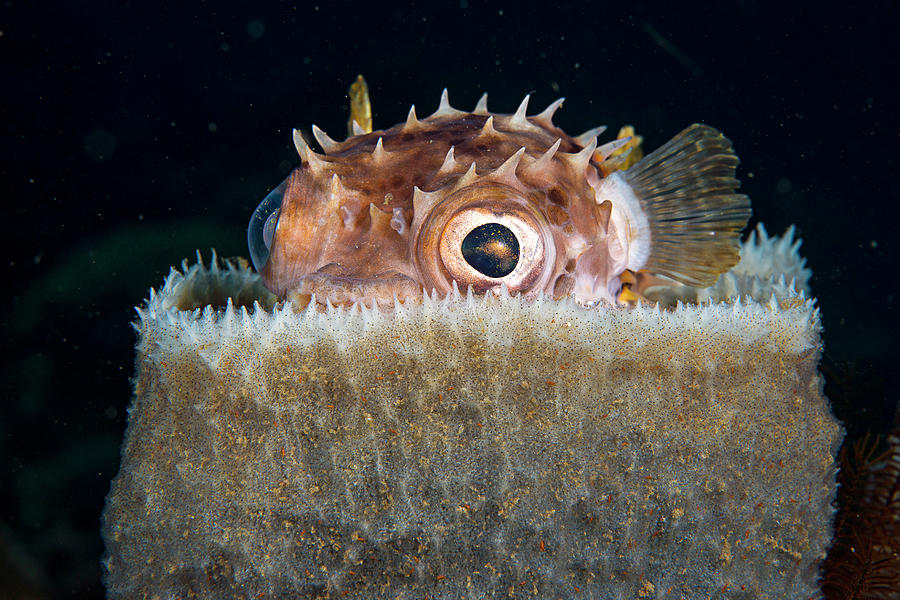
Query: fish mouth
(382, 290)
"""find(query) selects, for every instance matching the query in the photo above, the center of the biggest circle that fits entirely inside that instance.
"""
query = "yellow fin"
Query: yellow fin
(360, 107)
(634, 146)
(628, 297)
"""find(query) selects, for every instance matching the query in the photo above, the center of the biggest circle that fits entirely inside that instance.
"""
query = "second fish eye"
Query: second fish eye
(262, 226)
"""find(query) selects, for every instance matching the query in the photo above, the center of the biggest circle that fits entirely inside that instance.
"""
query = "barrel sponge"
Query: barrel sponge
(470, 447)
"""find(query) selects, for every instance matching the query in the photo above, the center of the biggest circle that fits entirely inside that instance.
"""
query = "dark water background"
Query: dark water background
(134, 133)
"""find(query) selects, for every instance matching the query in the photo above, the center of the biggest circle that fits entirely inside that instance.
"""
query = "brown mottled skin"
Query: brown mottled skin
(335, 236)
(383, 215)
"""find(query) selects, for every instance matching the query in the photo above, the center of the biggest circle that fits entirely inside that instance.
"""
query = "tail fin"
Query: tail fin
(686, 190)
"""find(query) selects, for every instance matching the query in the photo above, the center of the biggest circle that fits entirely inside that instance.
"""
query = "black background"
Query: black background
(133, 135)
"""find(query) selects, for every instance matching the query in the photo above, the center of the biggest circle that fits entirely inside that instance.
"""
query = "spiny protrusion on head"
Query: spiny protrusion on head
(545, 118)
(591, 134)
(338, 193)
(449, 165)
(379, 219)
(380, 156)
(444, 108)
(424, 201)
(469, 176)
(579, 161)
(519, 120)
(606, 150)
(357, 128)
(338, 189)
(301, 145)
(317, 164)
(412, 123)
(481, 107)
(543, 163)
(507, 171)
(615, 163)
(487, 130)
(328, 144)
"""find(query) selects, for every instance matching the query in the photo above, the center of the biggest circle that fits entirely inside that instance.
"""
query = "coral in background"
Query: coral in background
(864, 562)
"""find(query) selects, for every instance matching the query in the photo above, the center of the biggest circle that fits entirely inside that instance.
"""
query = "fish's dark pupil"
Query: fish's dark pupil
(491, 249)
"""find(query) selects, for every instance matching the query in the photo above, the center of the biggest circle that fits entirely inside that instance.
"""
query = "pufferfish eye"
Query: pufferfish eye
(492, 249)
(263, 223)
(484, 248)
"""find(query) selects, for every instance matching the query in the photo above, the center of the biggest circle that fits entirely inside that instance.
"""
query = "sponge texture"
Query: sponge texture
(471, 447)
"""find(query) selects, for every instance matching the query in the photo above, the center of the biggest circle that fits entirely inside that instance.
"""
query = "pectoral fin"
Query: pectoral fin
(691, 218)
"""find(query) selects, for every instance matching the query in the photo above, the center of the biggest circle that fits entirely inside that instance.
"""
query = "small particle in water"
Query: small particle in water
(256, 29)
(784, 186)
(100, 144)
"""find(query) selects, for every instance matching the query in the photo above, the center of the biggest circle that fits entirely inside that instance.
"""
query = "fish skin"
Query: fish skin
(380, 217)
